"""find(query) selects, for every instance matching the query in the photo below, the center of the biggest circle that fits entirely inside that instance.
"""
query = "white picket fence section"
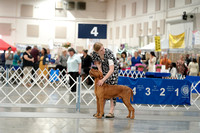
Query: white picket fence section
(15, 91)
(45, 91)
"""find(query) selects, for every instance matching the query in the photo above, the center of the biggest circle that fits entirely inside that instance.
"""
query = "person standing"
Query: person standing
(181, 67)
(86, 64)
(151, 62)
(193, 68)
(43, 64)
(36, 55)
(73, 67)
(173, 70)
(9, 58)
(124, 62)
(16, 59)
(165, 61)
(28, 61)
(104, 59)
(3, 59)
(49, 54)
(136, 59)
(187, 59)
(63, 63)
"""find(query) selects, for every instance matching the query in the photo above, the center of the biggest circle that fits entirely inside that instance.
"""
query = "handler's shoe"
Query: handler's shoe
(110, 115)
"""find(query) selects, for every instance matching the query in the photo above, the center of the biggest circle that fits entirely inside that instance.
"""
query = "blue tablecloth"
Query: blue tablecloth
(54, 74)
(157, 74)
(194, 80)
(158, 91)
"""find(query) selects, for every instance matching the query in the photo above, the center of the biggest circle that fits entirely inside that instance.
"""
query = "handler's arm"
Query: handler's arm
(98, 64)
(110, 72)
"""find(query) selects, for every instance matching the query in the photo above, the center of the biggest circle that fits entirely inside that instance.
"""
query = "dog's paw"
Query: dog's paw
(99, 117)
(132, 117)
(95, 115)
(128, 116)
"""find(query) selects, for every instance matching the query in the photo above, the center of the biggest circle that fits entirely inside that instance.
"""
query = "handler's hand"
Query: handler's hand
(100, 82)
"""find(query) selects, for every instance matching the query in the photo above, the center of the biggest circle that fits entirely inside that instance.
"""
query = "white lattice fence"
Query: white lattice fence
(54, 90)
(16, 87)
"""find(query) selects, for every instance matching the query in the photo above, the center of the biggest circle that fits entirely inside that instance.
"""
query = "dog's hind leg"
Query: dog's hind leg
(129, 111)
(132, 110)
(129, 107)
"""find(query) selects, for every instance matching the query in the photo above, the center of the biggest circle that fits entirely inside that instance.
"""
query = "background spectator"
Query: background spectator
(86, 64)
(142, 56)
(3, 59)
(193, 68)
(16, 59)
(27, 66)
(187, 59)
(151, 62)
(49, 54)
(124, 62)
(159, 59)
(173, 70)
(36, 55)
(136, 59)
(165, 61)
(43, 65)
(9, 58)
(63, 62)
(73, 67)
(181, 67)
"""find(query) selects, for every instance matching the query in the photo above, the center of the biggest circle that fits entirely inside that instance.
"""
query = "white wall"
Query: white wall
(150, 16)
(108, 12)
(44, 16)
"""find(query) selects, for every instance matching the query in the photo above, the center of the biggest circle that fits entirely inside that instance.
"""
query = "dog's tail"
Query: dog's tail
(131, 95)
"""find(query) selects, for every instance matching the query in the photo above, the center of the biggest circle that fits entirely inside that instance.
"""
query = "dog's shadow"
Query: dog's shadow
(118, 124)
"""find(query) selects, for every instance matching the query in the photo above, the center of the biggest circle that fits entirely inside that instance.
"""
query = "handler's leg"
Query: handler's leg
(112, 107)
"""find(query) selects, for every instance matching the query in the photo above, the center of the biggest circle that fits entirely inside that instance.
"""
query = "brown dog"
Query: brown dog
(111, 91)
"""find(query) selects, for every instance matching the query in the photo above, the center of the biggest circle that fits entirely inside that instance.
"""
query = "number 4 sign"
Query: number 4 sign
(94, 31)
(98, 31)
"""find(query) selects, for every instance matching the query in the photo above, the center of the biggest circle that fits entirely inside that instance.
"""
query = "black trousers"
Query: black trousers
(73, 75)
(61, 68)
(35, 68)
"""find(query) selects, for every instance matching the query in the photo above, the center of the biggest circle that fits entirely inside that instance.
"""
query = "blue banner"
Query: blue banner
(158, 91)
(195, 80)
(97, 31)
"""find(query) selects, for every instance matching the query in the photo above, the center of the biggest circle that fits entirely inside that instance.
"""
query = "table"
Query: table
(158, 91)
(157, 74)
(51, 66)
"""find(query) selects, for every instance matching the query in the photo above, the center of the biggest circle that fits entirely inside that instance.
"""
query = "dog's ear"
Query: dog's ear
(94, 67)
(100, 75)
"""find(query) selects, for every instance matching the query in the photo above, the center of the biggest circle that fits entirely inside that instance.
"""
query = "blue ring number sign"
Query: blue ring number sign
(98, 31)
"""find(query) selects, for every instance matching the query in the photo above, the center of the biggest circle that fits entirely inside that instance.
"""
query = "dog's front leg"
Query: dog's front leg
(98, 108)
(101, 103)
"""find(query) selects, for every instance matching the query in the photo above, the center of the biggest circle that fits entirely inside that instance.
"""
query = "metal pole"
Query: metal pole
(78, 93)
